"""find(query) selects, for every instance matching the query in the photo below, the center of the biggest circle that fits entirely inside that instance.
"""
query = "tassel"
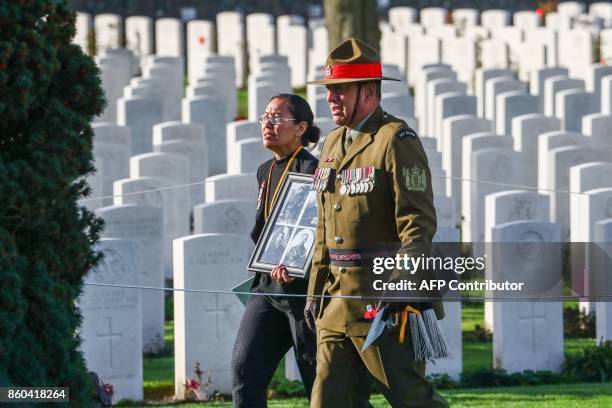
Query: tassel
(420, 340)
(403, 327)
(434, 331)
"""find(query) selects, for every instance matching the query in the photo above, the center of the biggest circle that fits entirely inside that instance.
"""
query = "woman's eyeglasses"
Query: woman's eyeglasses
(275, 120)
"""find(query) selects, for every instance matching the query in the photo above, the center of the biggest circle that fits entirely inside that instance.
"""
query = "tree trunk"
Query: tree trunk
(352, 18)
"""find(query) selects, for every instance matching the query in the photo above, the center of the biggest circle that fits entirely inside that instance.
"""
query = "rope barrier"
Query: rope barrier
(374, 298)
(492, 183)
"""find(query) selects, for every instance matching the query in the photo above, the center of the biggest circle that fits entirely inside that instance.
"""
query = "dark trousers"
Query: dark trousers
(264, 337)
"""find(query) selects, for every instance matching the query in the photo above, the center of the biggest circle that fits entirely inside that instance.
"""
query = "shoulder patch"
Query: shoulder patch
(405, 132)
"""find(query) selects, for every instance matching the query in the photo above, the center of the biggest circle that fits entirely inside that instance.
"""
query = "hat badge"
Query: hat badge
(328, 71)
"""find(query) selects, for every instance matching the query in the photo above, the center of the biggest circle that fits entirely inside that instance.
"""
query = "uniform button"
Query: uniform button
(342, 270)
(339, 240)
(337, 207)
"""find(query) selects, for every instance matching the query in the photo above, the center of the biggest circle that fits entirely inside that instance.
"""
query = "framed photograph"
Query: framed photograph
(289, 234)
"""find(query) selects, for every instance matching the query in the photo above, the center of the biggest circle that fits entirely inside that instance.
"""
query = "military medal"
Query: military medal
(352, 181)
(371, 174)
(259, 197)
(343, 186)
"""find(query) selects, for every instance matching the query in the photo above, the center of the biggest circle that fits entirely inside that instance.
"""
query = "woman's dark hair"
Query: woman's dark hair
(300, 109)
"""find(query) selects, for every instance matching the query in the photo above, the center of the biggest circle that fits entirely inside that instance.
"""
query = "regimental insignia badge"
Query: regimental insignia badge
(415, 178)
(328, 71)
(406, 132)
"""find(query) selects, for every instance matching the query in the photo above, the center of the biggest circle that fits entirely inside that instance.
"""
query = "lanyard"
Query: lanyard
(267, 204)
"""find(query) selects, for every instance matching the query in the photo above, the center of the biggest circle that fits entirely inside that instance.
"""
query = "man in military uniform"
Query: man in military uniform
(375, 195)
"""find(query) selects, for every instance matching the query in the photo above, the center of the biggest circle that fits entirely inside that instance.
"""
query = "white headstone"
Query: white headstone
(224, 187)
(249, 155)
(537, 81)
(433, 16)
(572, 105)
(495, 169)
(576, 51)
(454, 129)
(83, 29)
(142, 225)
(510, 105)
(295, 47)
(398, 104)
(490, 170)
(260, 36)
(560, 160)
(169, 39)
(452, 104)
(140, 113)
(139, 36)
(111, 154)
(603, 10)
(555, 84)
(422, 50)
(494, 54)
(603, 238)
(111, 331)
(496, 86)
(400, 17)
(509, 206)
(525, 132)
(224, 217)
(528, 335)
(466, 17)
(527, 19)
(461, 54)
(481, 77)
(230, 41)
(205, 324)
(209, 111)
(200, 42)
(494, 19)
(570, 8)
(109, 31)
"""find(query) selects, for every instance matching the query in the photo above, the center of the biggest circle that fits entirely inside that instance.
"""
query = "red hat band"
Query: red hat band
(345, 71)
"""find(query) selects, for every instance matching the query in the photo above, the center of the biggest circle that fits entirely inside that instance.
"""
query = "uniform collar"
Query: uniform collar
(371, 123)
(361, 141)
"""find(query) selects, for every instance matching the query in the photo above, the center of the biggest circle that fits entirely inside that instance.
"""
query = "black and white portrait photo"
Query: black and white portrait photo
(298, 248)
(275, 247)
(293, 204)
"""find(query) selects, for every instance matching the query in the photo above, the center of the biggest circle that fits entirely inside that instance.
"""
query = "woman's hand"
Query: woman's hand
(279, 273)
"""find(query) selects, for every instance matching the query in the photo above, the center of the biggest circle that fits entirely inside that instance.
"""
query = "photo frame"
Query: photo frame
(289, 233)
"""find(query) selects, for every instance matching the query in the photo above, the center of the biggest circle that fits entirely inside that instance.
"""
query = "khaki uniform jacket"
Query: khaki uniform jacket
(399, 209)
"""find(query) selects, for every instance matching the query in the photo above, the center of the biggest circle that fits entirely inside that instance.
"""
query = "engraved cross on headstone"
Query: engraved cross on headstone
(533, 317)
(218, 312)
(110, 336)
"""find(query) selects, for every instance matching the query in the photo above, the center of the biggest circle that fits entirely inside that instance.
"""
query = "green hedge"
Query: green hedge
(49, 93)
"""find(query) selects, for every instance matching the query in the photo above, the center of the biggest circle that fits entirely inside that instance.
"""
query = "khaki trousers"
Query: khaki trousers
(344, 378)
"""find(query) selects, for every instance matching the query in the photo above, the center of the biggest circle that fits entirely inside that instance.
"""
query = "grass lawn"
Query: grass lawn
(569, 395)
(159, 371)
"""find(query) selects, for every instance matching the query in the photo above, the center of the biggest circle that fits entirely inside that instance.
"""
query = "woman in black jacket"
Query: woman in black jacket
(272, 324)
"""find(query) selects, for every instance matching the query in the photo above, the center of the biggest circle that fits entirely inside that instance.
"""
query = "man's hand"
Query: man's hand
(311, 311)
